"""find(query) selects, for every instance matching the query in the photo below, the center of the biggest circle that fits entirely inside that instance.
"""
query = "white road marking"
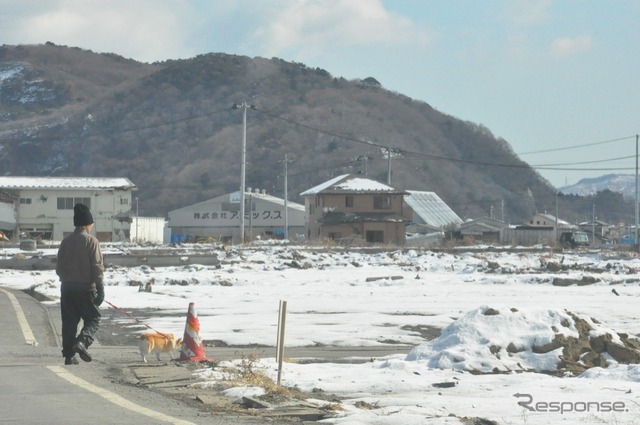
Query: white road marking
(114, 398)
(22, 319)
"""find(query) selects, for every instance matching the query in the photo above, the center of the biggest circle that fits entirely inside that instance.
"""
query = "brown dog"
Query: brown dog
(158, 343)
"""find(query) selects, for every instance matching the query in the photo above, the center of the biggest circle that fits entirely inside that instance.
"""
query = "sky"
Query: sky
(556, 79)
(480, 301)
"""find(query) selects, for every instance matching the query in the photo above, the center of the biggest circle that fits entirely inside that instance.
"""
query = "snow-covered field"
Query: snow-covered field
(496, 310)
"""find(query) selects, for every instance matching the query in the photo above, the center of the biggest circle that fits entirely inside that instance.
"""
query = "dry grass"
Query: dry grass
(248, 374)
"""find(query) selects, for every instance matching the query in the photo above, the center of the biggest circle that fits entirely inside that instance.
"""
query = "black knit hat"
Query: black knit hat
(81, 215)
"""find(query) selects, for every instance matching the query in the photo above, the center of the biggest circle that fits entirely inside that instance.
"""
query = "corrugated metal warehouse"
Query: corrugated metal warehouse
(219, 218)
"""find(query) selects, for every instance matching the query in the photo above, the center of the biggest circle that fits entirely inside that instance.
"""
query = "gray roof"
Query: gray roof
(552, 218)
(430, 209)
(477, 228)
(234, 197)
(65, 183)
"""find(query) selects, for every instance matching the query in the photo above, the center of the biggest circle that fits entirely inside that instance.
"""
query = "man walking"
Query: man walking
(80, 269)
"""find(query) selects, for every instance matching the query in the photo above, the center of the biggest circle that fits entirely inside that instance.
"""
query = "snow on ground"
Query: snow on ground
(354, 299)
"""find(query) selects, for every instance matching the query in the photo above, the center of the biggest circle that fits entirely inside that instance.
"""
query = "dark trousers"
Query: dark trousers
(76, 305)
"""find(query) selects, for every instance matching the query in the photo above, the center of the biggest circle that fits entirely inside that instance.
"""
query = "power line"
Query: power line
(584, 169)
(327, 132)
(328, 167)
(586, 162)
(467, 161)
(377, 145)
(535, 165)
(553, 166)
(397, 150)
(579, 146)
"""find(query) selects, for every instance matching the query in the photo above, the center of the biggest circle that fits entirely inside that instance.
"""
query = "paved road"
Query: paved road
(38, 389)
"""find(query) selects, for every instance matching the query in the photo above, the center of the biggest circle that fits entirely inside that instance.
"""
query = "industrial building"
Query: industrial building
(219, 218)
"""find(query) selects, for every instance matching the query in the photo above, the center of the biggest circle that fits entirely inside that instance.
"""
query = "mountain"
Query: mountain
(169, 127)
(621, 183)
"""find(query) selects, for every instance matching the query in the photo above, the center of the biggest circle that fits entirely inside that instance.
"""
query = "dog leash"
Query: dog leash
(115, 307)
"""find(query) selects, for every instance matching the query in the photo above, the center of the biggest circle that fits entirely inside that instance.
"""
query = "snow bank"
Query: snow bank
(491, 340)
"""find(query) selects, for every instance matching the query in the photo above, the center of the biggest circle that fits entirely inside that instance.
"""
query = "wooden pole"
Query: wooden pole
(280, 344)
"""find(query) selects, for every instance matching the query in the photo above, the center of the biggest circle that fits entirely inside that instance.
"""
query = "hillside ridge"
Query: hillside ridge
(169, 127)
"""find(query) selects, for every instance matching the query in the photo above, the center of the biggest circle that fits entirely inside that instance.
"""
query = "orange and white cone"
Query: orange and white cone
(192, 346)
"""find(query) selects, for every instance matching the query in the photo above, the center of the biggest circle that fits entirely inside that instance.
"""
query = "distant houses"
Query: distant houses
(541, 228)
(347, 209)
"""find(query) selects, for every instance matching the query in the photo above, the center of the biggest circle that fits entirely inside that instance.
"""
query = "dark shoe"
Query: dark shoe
(71, 360)
(79, 348)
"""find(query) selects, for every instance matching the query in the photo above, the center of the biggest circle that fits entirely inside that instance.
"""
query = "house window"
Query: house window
(26, 201)
(69, 203)
(381, 202)
(124, 201)
(317, 201)
(334, 236)
(375, 236)
(348, 201)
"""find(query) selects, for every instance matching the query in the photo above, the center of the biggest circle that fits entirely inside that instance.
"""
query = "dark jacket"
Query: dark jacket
(80, 264)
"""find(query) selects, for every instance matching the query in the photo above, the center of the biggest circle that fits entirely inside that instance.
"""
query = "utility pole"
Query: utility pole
(137, 220)
(364, 160)
(250, 215)
(389, 166)
(244, 107)
(16, 201)
(286, 197)
(593, 223)
(636, 238)
(556, 218)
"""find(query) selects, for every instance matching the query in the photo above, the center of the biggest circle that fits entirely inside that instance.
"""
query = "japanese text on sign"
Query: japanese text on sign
(231, 215)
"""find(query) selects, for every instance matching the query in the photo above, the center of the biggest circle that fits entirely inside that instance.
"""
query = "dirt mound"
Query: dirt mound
(494, 339)
(591, 349)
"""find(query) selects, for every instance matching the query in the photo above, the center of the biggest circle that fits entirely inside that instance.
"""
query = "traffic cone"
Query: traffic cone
(192, 346)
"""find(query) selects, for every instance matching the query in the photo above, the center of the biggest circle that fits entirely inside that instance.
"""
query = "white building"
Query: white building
(7, 217)
(148, 229)
(43, 206)
(219, 218)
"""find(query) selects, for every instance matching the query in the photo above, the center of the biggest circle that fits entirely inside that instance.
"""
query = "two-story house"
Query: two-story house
(43, 206)
(352, 207)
